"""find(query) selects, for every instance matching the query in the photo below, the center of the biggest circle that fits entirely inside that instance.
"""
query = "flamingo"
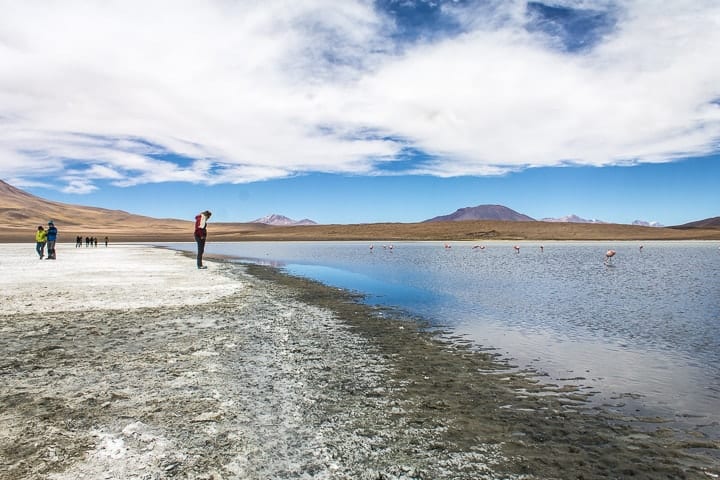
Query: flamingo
(517, 248)
(608, 255)
(542, 249)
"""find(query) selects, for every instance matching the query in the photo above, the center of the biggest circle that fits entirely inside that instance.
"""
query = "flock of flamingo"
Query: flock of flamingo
(608, 255)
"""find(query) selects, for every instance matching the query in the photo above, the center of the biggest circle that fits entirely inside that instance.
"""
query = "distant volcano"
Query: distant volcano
(281, 220)
(484, 212)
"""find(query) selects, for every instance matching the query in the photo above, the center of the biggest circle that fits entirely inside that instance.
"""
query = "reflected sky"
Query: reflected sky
(375, 290)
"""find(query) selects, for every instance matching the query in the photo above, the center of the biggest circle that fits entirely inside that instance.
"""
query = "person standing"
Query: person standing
(201, 235)
(40, 240)
(51, 239)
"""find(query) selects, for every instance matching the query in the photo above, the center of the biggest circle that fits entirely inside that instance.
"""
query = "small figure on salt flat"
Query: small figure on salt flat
(608, 256)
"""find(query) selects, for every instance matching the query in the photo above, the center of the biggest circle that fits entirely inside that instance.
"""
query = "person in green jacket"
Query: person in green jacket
(40, 240)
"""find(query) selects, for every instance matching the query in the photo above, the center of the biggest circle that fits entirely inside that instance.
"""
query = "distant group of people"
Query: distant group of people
(89, 241)
(48, 237)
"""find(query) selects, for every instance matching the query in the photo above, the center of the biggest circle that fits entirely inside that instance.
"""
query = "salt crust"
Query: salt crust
(114, 277)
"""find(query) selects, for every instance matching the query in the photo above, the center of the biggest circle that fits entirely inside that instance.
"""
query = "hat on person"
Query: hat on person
(207, 213)
(51, 222)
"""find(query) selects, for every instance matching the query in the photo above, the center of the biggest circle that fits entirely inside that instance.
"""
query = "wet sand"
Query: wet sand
(128, 362)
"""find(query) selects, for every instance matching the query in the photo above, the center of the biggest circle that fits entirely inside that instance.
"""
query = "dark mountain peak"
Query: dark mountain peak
(483, 212)
(306, 221)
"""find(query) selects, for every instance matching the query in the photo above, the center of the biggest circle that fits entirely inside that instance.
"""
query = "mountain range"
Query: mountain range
(282, 221)
(571, 219)
(575, 219)
(503, 213)
(22, 212)
(644, 223)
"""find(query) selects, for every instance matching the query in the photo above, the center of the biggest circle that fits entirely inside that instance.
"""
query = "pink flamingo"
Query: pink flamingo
(608, 255)
(517, 248)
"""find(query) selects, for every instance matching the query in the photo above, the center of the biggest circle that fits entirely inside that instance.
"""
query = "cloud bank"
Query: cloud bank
(223, 91)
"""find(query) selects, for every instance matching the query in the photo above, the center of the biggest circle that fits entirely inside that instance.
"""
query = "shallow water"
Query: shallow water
(643, 331)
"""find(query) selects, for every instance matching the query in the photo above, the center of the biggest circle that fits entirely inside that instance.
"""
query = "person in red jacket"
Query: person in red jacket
(201, 234)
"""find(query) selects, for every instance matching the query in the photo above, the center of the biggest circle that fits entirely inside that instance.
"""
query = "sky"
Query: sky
(361, 111)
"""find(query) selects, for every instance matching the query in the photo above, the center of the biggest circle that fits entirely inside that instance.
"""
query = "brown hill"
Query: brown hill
(21, 213)
(19, 206)
(713, 222)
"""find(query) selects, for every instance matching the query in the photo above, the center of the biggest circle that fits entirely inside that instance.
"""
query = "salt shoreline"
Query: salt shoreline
(128, 362)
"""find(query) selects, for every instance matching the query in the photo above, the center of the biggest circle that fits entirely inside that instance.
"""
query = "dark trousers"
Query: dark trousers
(200, 249)
(40, 248)
(51, 249)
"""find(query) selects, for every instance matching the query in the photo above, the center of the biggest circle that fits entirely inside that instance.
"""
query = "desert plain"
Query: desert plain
(157, 230)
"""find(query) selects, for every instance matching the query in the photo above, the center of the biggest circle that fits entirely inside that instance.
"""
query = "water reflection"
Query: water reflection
(376, 291)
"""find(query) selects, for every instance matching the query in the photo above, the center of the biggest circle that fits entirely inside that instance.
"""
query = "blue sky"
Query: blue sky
(365, 111)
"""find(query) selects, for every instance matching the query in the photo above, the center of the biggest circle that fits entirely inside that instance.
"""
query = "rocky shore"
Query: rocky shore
(128, 363)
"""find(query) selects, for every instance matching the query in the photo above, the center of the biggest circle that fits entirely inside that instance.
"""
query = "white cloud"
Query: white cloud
(78, 185)
(256, 90)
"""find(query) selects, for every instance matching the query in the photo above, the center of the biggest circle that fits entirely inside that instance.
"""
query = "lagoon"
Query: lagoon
(642, 333)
